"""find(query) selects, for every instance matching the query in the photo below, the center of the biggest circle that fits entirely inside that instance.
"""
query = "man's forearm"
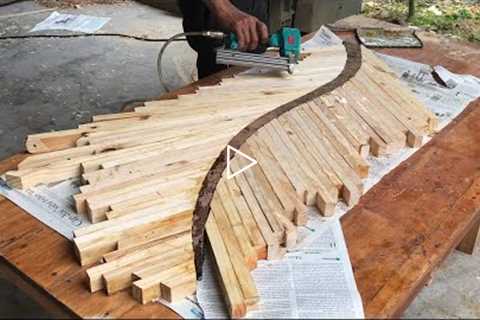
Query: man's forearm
(249, 30)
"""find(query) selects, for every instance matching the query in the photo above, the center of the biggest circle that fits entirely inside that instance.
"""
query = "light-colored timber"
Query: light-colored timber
(142, 172)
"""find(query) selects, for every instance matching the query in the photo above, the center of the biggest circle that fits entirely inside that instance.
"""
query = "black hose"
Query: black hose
(208, 34)
(86, 35)
(175, 38)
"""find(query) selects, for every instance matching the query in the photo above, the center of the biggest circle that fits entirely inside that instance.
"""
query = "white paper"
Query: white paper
(313, 282)
(52, 205)
(466, 84)
(323, 38)
(445, 102)
(71, 22)
(188, 308)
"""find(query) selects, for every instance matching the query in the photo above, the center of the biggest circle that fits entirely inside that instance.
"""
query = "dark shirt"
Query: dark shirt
(197, 17)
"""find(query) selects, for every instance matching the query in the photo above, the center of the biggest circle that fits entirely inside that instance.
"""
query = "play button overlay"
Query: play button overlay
(236, 152)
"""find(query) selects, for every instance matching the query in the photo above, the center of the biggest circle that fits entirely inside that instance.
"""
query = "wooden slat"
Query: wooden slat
(143, 242)
(265, 196)
(147, 289)
(235, 233)
(228, 280)
(247, 218)
(352, 187)
(121, 278)
(174, 289)
(91, 247)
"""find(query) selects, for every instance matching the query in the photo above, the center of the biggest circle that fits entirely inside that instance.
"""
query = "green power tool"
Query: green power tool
(287, 40)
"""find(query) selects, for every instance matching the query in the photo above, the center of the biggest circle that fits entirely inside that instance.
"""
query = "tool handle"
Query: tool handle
(231, 42)
(288, 40)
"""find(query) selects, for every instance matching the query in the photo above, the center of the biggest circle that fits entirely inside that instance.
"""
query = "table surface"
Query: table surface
(396, 236)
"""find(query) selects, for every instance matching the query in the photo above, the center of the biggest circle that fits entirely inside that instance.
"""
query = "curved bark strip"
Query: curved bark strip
(209, 185)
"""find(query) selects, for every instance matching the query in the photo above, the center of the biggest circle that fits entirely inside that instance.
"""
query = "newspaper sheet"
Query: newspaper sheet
(71, 22)
(321, 259)
(53, 205)
(323, 38)
(445, 102)
(314, 282)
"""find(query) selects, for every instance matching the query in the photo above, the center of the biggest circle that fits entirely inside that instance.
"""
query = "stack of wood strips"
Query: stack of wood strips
(142, 171)
(312, 155)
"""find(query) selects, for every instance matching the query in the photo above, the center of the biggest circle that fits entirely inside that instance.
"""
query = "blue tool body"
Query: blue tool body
(287, 40)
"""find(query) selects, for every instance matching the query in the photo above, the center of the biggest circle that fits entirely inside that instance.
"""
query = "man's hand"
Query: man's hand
(249, 30)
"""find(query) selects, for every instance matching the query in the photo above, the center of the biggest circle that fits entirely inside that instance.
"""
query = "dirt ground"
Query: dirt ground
(455, 18)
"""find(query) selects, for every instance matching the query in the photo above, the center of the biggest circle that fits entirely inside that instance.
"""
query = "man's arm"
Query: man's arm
(249, 30)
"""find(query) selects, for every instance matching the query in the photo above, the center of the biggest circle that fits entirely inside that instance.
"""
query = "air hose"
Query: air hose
(207, 34)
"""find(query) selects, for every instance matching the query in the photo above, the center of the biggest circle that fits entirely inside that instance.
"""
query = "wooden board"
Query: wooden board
(419, 212)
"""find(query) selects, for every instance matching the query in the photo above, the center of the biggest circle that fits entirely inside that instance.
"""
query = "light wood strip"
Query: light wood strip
(323, 173)
(247, 218)
(227, 278)
(147, 289)
(278, 180)
(91, 247)
(235, 232)
(121, 278)
(352, 187)
(325, 195)
(95, 273)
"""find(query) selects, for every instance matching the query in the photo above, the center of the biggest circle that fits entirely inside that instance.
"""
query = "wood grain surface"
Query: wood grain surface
(406, 225)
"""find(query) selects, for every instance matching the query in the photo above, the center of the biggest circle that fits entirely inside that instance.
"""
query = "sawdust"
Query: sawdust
(77, 3)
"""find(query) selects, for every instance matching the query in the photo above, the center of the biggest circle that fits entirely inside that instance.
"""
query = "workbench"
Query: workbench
(397, 235)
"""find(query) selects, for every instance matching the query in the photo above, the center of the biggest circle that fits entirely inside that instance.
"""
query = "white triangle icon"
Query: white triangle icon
(251, 161)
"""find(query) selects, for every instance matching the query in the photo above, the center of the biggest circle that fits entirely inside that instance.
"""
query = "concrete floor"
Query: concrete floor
(52, 84)
(48, 84)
